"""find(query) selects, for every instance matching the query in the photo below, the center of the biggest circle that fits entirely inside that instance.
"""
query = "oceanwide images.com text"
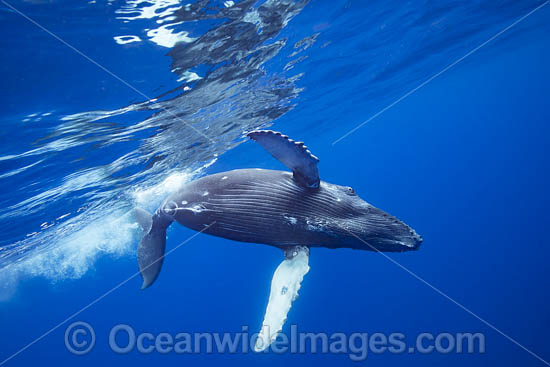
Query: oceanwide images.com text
(80, 338)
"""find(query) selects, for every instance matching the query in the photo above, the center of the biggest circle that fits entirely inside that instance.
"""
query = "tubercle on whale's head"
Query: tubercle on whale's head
(370, 228)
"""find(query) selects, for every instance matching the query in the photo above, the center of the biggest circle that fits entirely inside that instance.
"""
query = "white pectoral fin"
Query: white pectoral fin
(285, 284)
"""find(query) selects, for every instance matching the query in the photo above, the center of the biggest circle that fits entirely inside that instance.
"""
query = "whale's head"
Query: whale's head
(360, 225)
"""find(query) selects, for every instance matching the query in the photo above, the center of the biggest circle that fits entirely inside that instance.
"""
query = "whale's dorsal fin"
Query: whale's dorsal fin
(292, 154)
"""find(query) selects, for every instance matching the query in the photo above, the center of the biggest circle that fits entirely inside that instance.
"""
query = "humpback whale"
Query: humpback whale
(294, 211)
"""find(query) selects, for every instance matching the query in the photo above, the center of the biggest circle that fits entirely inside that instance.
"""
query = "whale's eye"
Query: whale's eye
(350, 190)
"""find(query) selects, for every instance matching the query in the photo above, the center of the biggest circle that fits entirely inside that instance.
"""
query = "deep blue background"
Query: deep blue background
(465, 161)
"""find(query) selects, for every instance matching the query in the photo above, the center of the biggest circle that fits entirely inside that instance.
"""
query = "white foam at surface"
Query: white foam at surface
(156, 8)
(163, 11)
(122, 40)
(73, 253)
(253, 17)
(8, 285)
(165, 37)
(188, 77)
(151, 197)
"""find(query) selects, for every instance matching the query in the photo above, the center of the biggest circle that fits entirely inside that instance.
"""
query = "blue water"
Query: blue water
(464, 160)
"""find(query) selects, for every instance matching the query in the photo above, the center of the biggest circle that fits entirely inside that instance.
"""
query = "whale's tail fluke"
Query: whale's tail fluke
(153, 244)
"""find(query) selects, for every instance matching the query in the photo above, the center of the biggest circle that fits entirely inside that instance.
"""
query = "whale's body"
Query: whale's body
(293, 211)
(268, 207)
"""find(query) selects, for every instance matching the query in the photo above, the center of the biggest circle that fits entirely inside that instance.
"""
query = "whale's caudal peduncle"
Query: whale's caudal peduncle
(293, 211)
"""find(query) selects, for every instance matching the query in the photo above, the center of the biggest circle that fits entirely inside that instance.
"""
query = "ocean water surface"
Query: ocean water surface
(434, 111)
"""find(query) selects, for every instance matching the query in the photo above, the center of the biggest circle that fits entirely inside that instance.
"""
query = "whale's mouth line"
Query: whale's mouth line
(382, 231)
